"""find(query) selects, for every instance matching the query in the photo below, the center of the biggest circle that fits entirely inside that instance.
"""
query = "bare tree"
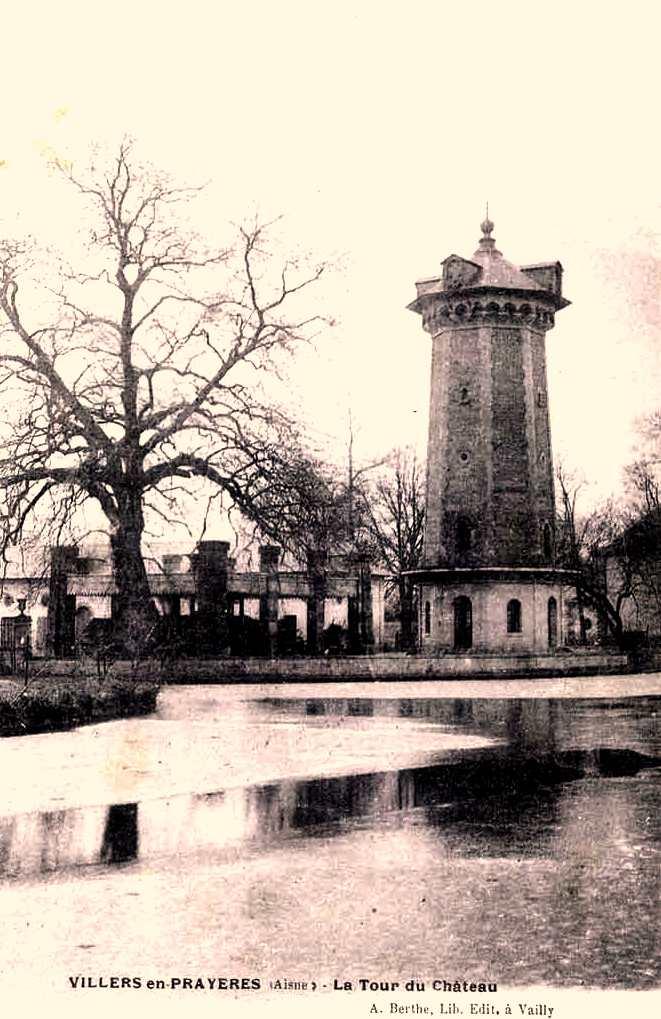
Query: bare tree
(317, 526)
(643, 474)
(604, 553)
(136, 377)
(316, 513)
(575, 537)
(318, 510)
(396, 526)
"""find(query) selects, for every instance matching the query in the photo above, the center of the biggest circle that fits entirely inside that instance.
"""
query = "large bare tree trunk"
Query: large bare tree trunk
(135, 615)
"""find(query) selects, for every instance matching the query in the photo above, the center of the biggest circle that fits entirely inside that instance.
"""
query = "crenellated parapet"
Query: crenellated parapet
(441, 309)
(489, 289)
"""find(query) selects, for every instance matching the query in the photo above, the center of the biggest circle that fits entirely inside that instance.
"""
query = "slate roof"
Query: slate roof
(498, 272)
(490, 270)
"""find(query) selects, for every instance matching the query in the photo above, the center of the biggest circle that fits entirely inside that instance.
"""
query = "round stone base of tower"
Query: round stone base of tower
(494, 610)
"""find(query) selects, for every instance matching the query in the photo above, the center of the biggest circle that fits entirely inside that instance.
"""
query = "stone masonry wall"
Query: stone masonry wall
(490, 471)
(489, 603)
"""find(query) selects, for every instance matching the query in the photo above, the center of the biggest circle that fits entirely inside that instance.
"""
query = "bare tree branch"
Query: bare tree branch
(140, 368)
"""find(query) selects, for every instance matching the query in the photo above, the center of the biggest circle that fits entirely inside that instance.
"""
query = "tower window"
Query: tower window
(552, 622)
(547, 539)
(464, 396)
(427, 618)
(514, 616)
(464, 456)
(464, 536)
(541, 402)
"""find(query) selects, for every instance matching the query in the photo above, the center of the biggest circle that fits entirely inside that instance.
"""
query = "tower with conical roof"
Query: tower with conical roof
(489, 581)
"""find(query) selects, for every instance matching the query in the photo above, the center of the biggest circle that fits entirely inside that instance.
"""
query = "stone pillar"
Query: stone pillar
(317, 560)
(366, 627)
(58, 638)
(210, 566)
(269, 596)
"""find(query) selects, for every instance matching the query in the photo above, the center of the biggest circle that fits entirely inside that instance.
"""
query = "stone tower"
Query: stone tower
(489, 581)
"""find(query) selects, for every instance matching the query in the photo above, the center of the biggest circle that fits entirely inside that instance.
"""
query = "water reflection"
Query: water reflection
(120, 836)
(533, 858)
(504, 800)
(540, 725)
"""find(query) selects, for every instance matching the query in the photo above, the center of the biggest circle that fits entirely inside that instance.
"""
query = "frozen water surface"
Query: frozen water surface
(500, 831)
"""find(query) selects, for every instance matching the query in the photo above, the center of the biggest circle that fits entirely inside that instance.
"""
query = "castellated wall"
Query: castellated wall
(490, 471)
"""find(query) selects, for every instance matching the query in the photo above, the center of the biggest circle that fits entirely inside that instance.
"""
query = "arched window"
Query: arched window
(84, 617)
(514, 616)
(464, 536)
(547, 539)
(427, 618)
(552, 622)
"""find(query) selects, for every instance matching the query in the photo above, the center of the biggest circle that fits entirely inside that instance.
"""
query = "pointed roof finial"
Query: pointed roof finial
(486, 240)
(486, 226)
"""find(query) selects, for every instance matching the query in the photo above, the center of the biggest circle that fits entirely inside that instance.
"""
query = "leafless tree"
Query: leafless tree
(396, 525)
(603, 550)
(643, 474)
(135, 378)
(575, 536)
(315, 513)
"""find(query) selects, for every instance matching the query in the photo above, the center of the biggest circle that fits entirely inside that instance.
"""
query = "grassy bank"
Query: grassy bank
(50, 702)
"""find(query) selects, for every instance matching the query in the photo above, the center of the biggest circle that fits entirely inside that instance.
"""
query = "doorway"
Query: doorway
(463, 623)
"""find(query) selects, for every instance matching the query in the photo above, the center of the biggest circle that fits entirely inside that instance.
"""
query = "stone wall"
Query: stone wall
(490, 470)
(211, 582)
(489, 610)
(396, 667)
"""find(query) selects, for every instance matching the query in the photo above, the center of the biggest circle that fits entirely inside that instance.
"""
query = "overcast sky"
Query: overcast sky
(379, 130)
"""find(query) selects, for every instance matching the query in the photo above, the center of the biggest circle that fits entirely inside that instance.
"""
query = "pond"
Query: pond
(306, 833)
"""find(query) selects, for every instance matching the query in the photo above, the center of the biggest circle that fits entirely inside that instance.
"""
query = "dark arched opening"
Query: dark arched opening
(514, 616)
(463, 623)
(464, 537)
(553, 622)
(547, 538)
(427, 618)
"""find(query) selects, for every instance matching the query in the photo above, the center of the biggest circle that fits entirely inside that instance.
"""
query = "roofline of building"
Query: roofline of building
(491, 573)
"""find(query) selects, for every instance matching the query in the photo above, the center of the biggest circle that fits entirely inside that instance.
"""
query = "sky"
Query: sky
(378, 131)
